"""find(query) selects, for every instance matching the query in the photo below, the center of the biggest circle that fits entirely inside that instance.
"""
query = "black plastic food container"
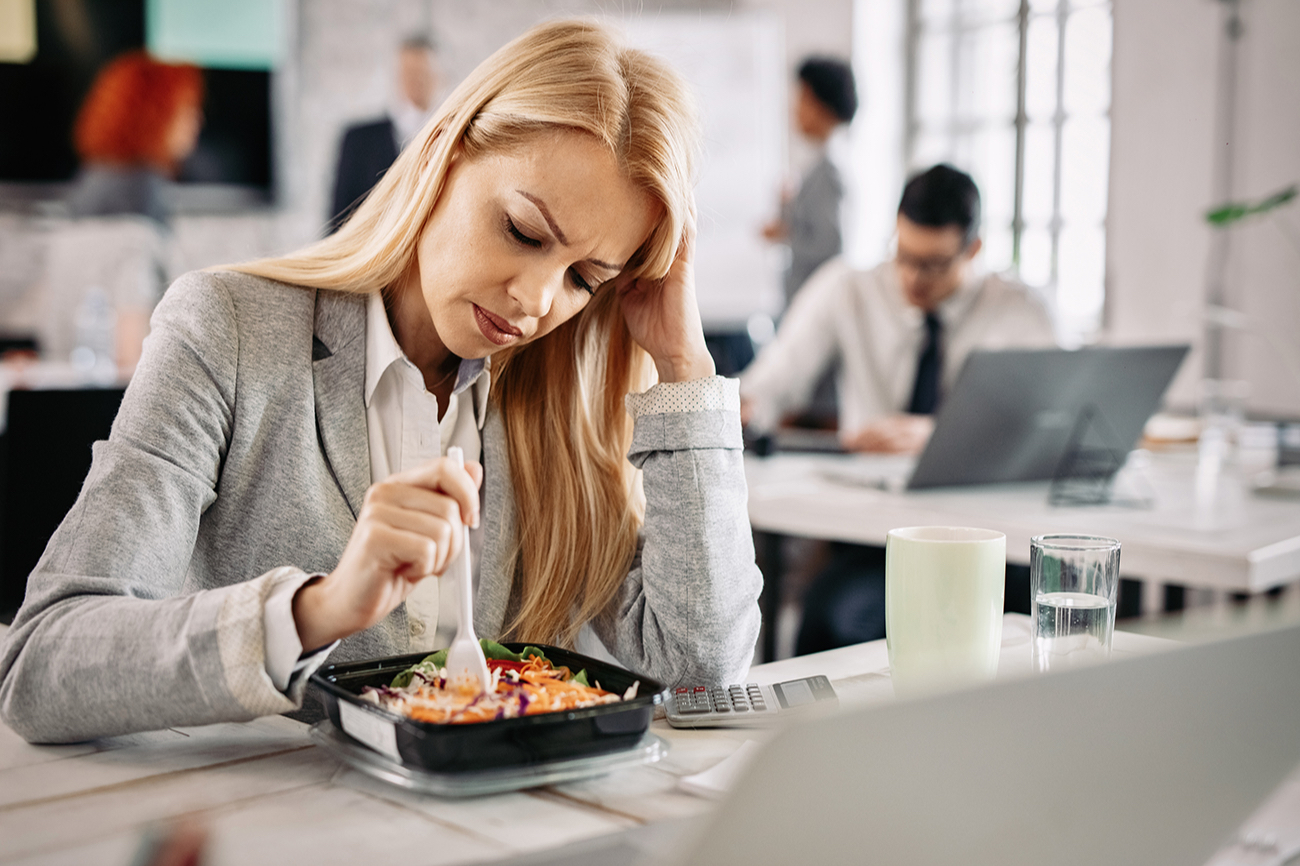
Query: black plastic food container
(464, 748)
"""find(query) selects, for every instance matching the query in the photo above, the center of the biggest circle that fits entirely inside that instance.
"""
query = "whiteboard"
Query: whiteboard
(735, 63)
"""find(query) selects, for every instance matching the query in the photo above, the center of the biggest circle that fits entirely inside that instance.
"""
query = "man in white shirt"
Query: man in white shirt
(874, 323)
(900, 333)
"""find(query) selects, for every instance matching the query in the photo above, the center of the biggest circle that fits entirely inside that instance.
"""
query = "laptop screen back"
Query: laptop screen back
(1011, 414)
(1151, 760)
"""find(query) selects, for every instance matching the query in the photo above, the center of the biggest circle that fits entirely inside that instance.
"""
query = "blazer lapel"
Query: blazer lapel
(497, 560)
(339, 378)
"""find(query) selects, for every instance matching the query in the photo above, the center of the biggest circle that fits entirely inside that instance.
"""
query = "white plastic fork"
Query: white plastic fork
(465, 660)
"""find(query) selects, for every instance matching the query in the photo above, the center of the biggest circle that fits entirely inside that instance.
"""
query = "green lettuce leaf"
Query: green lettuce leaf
(428, 666)
(431, 664)
(494, 650)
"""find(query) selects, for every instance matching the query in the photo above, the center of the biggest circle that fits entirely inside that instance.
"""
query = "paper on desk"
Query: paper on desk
(883, 472)
(716, 781)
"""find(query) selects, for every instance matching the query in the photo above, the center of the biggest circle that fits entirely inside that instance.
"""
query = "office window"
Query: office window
(1017, 92)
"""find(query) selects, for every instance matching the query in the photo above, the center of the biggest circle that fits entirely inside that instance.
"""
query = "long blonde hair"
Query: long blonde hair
(560, 396)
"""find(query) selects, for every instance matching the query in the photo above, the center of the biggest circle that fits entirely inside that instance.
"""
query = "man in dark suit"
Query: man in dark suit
(368, 149)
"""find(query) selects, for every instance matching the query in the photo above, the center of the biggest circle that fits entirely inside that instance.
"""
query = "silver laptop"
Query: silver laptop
(1171, 753)
(1011, 414)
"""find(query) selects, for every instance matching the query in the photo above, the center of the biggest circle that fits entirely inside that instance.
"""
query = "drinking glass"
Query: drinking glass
(1073, 583)
(943, 606)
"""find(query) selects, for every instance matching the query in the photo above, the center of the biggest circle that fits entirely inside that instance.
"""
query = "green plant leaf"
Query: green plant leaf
(1232, 212)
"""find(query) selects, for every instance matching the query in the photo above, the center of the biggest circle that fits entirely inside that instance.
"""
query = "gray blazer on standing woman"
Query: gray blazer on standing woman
(239, 459)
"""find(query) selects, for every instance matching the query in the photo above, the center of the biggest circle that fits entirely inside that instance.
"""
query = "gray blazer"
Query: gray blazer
(239, 459)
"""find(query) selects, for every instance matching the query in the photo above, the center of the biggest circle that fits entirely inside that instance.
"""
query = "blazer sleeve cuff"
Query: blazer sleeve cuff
(710, 394)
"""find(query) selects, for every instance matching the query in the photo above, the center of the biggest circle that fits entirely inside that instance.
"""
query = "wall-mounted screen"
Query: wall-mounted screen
(39, 98)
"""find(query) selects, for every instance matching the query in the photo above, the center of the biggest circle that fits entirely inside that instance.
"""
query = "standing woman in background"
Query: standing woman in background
(275, 484)
(826, 98)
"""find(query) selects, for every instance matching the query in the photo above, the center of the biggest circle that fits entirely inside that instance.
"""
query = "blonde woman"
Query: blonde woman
(275, 481)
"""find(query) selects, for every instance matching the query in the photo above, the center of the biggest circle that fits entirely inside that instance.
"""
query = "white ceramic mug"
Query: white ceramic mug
(944, 589)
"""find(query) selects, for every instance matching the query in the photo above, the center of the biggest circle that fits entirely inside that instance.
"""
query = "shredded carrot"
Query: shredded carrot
(535, 688)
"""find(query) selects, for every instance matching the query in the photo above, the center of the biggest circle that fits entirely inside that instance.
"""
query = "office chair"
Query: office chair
(44, 457)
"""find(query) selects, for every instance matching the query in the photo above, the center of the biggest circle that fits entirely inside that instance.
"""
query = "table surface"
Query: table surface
(269, 796)
(1217, 535)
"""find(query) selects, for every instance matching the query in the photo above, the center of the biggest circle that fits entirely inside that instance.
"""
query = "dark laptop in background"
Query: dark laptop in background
(1011, 414)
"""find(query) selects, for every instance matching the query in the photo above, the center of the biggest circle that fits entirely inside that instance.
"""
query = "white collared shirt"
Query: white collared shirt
(408, 119)
(861, 320)
(403, 430)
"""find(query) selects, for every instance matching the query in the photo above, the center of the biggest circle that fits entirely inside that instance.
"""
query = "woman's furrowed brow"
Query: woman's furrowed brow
(546, 215)
(559, 233)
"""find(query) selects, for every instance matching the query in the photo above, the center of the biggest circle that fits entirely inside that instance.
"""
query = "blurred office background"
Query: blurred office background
(1100, 133)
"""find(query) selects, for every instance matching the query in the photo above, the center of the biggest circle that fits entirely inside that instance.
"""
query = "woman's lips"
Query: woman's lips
(495, 328)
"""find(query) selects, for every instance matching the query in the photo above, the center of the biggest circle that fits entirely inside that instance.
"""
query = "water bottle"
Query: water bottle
(96, 328)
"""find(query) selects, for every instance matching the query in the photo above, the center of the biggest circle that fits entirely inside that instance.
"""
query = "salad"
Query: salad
(522, 684)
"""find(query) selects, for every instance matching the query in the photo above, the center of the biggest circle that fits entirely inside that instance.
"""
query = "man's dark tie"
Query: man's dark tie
(925, 391)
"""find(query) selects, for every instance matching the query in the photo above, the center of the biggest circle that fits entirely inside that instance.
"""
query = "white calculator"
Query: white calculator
(750, 704)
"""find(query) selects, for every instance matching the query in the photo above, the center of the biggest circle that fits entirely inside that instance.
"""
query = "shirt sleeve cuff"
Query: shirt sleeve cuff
(283, 649)
(307, 665)
(710, 394)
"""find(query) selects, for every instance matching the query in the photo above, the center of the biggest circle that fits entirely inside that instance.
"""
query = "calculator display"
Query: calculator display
(745, 705)
(794, 693)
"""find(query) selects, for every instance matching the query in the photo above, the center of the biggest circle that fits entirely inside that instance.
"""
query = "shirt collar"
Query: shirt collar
(408, 119)
(955, 306)
(951, 309)
(475, 373)
(382, 351)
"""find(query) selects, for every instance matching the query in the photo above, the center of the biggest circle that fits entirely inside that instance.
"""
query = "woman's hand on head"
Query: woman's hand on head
(664, 317)
(409, 528)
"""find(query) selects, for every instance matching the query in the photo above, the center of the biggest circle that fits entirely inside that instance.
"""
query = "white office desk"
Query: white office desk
(270, 797)
(1232, 540)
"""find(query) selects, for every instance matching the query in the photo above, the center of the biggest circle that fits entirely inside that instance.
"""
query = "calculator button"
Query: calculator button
(681, 690)
(692, 710)
(760, 707)
(742, 708)
(722, 708)
(700, 689)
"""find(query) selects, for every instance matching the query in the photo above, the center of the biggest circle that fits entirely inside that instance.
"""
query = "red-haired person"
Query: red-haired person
(139, 121)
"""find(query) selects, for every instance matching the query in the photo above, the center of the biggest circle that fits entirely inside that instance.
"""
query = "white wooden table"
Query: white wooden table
(1223, 537)
(269, 796)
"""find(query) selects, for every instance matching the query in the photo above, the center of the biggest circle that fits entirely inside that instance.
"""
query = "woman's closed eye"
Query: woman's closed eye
(578, 279)
(519, 236)
(581, 282)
